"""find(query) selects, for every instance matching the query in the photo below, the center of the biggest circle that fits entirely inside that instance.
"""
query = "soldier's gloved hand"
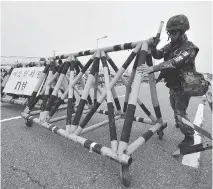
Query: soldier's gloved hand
(151, 42)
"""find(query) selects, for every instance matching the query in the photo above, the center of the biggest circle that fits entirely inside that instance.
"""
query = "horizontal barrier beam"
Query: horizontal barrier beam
(64, 117)
(16, 101)
(137, 119)
(92, 146)
(125, 46)
(88, 129)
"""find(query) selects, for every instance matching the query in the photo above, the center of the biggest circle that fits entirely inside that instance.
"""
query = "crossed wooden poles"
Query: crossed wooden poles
(120, 151)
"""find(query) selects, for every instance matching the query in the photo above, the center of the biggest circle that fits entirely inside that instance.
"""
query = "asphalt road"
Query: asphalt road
(35, 158)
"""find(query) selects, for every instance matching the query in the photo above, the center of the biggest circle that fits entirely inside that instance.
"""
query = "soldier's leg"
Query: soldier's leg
(181, 105)
(172, 99)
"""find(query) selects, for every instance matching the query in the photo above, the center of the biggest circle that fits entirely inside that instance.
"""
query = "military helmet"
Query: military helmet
(178, 22)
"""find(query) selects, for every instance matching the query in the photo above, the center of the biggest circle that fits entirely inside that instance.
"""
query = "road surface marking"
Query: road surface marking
(193, 160)
(8, 119)
(18, 117)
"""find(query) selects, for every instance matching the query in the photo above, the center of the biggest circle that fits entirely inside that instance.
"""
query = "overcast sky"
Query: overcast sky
(37, 28)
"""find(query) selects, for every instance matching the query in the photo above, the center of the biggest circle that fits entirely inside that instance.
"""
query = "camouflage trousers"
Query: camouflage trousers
(179, 103)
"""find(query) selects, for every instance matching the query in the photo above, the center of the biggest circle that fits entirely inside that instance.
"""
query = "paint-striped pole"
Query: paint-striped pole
(47, 90)
(54, 94)
(41, 91)
(128, 87)
(111, 84)
(56, 70)
(59, 68)
(96, 85)
(90, 145)
(75, 88)
(70, 107)
(153, 89)
(114, 95)
(125, 135)
(82, 81)
(144, 138)
(95, 126)
(125, 46)
(125, 83)
(110, 107)
(99, 90)
(71, 84)
(40, 81)
(84, 96)
(137, 119)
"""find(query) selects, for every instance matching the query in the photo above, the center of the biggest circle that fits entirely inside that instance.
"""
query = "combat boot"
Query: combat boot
(187, 141)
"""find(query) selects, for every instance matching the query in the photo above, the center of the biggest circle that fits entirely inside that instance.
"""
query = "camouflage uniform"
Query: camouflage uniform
(179, 57)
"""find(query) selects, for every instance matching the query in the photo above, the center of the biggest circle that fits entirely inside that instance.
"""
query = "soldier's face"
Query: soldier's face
(174, 35)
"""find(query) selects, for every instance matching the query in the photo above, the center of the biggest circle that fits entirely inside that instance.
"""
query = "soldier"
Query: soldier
(179, 57)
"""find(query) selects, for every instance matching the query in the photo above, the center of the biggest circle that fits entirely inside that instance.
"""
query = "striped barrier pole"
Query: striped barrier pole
(153, 89)
(125, 46)
(129, 84)
(141, 140)
(114, 95)
(16, 101)
(70, 107)
(54, 96)
(110, 107)
(84, 96)
(40, 81)
(46, 90)
(99, 90)
(54, 67)
(59, 68)
(82, 81)
(75, 88)
(111, 84)
(81, 66)
(137, 119)
(71, 84)
(90, 145)
(96, 85)
(52, 120)
(95, 126)
(125, 134)
(64, 106)
(125, 83)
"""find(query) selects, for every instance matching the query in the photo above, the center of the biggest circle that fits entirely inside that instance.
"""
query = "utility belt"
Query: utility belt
(192, 83)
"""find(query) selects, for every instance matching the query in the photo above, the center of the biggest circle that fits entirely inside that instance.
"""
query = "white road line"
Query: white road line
(193, 160)
(18, 117)
(121, 96)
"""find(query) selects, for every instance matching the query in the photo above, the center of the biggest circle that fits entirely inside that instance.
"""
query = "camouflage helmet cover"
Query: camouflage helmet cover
(178, 22)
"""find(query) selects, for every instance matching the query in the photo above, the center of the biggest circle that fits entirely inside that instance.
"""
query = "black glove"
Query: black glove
(152, 42)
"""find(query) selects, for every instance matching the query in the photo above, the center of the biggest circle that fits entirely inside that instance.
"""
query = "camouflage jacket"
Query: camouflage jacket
(178, 58)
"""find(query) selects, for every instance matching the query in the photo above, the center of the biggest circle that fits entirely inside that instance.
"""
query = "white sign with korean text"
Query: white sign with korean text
(22, 81)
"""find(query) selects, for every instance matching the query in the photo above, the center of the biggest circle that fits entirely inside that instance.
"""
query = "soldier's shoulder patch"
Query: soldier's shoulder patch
(185, 53)
(179, 58)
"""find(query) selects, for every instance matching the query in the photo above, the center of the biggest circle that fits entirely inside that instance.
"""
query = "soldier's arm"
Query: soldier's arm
(186, 56)
(157, 54)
